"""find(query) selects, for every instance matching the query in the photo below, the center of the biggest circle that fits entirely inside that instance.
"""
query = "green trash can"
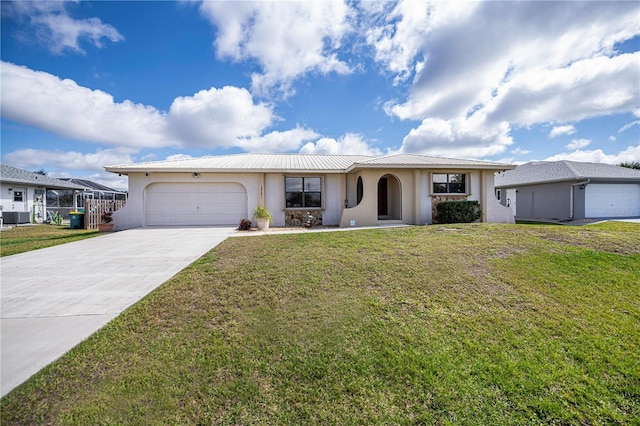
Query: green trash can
(76, 220)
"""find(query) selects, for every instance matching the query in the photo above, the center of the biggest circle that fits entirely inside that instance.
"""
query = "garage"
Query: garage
(168, 204)
(612, 200)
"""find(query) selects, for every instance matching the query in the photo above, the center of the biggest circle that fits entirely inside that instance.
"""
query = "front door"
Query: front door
(383, 208)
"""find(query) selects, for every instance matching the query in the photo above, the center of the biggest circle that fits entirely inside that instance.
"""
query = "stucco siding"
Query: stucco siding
(550, 201)
(423, 199)
(579, 211)
(274, 197)
(333, 199)
(492, 210)
(132, 215)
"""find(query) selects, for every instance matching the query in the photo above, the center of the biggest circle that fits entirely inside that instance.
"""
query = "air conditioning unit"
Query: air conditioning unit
(15, 218)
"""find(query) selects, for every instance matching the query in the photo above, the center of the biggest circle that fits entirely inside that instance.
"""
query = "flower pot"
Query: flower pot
(105, 227)
(263, 224)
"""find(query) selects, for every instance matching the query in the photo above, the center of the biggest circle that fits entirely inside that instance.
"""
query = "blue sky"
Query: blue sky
(90, 84)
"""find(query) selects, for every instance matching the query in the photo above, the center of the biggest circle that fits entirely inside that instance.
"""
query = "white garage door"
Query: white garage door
(195, 203)
(612, 200)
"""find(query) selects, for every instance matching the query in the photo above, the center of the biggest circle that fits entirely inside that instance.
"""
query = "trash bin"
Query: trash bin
(76, 220)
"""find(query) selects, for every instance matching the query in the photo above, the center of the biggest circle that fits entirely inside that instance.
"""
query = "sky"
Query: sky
(90, 84)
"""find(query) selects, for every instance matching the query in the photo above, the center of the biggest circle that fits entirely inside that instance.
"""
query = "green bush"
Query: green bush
(458, 211)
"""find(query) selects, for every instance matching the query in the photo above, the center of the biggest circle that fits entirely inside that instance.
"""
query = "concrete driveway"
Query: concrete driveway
(54, 298)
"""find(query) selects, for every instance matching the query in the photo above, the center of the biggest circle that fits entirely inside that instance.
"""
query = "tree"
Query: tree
(631, 165)
(41, 172)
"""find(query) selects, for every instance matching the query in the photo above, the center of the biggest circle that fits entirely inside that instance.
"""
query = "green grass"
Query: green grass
(20, 239)
(455, 324)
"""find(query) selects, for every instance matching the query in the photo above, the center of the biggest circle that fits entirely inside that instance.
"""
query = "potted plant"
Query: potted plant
(262, 216)
(105, 224)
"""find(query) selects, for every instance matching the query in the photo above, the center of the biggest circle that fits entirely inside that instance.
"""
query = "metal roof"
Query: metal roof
(247, 163)
(537, 172)
(11, 174)
(424, 161)
(265, 163)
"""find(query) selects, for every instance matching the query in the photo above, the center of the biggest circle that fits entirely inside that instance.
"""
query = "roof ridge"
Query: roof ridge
(412, 154)
(572, 169)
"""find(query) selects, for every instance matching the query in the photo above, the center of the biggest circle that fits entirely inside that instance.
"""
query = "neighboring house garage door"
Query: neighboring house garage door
(612, 200)
(195, 204)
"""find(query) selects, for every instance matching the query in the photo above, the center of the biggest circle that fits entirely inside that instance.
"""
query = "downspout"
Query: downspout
(571, 199)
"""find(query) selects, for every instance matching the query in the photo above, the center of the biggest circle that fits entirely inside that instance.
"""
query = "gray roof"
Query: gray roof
(537, 172)
(301, 162)
(91, 185)
(11, 174)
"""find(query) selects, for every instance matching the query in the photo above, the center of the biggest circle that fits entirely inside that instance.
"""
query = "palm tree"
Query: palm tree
(631, 165)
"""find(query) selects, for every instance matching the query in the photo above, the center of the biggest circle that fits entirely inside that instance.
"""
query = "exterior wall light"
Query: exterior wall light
(196, 175)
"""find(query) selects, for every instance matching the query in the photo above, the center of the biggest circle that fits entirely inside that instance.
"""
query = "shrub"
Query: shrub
(245, 225)
(458, 211)
(262, 213)
(106, 217)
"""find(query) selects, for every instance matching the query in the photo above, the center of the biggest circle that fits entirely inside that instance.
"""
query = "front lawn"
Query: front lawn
(20, 239)
(455, 324)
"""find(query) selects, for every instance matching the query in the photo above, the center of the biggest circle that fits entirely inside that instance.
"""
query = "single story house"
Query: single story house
(97, 191)
(337, 190)
(23, 194)
(569, 190)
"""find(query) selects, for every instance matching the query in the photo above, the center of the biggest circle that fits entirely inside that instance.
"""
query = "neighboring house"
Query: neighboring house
(66, 201)
(98, 191)
(337, 190)
(569, 190)
(23, 194)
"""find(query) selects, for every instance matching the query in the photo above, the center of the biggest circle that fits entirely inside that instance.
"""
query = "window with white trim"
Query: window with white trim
(303, 192)
(449, 183)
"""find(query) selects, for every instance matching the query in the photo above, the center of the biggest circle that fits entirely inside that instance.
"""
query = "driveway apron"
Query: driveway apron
(54, 298)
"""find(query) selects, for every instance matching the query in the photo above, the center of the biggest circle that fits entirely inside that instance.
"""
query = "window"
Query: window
(305, 192)
(498, 194)
(359, 190)
(453, 183)
(17, 196)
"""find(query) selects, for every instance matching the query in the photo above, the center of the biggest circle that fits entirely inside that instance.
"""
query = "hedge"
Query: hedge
(458, 211)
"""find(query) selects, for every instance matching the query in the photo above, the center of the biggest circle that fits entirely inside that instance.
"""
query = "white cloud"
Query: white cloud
(278, 141)
(520, 151)
(520, 63)
(630, 154)
(35, 158)
(218, 117)
(63, 107)
(225, 117)
(578, 143)
(562, 130)
(176, 157)
(588, 88)
(628, 126)
(53, 27)
(612, 138)
(287, 39)
(350, 143)
(467, 138)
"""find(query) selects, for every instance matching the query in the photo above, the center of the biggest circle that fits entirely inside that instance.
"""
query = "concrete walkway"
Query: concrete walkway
(54, 298)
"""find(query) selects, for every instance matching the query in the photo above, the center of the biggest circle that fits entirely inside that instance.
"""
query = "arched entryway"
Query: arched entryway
(389, 198)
